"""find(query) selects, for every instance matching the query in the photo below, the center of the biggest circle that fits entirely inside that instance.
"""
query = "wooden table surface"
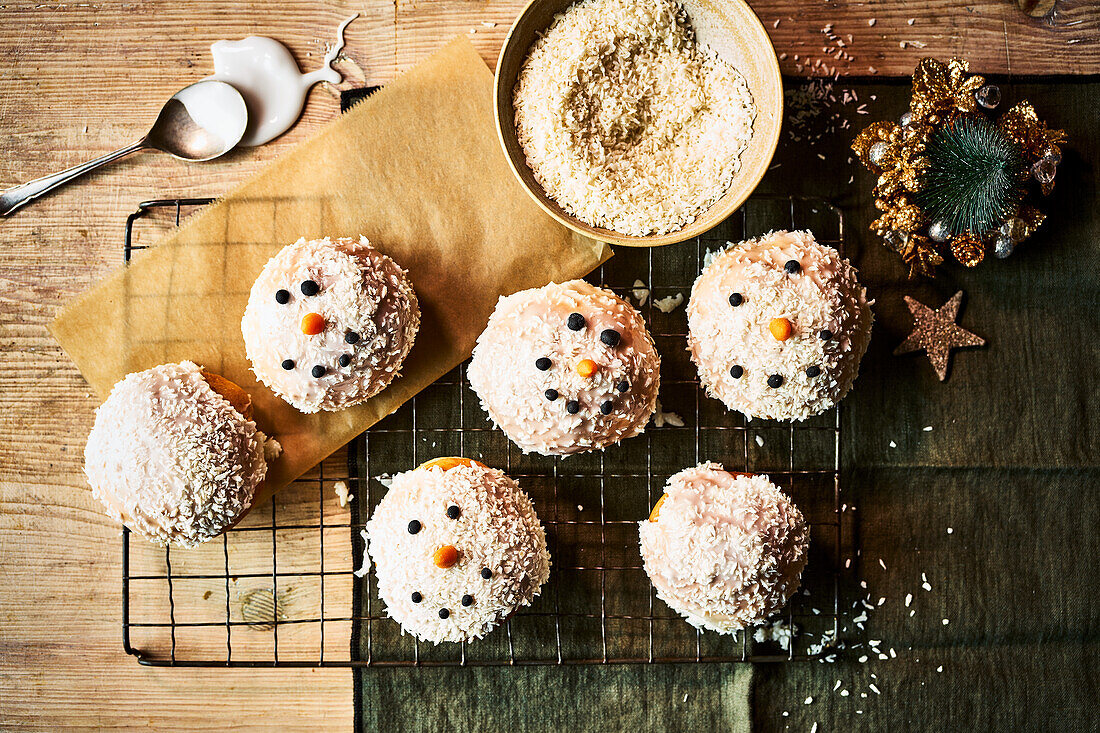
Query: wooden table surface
(80, 79)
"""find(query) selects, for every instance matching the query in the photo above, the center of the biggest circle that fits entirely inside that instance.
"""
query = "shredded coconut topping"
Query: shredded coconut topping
(361, 291)
(496, 529)
(726, 551)
(625, 121)
(171, 458)
(823, 295)
(532, 325)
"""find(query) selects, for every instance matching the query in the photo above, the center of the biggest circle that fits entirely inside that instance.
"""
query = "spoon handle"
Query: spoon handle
(13, 198)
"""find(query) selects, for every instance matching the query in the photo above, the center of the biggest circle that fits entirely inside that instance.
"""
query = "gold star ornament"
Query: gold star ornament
(936, 333)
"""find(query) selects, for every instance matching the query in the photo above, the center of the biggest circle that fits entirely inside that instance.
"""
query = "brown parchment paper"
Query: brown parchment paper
(418, 170)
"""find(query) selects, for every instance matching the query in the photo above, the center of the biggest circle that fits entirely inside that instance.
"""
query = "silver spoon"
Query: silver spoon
(200, 122)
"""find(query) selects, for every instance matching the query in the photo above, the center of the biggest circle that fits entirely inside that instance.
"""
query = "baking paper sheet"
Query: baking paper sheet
(417, 169)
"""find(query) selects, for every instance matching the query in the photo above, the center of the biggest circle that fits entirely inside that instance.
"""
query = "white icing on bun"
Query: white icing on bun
(813, 373)
(494, 527)
(613, 403)
(359, 291)
(725, 551)
(171, 458)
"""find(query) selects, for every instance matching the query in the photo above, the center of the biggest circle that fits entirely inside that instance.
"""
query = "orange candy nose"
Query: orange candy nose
(586, 368)
(781, 328)
(445, 556)
(312, 324)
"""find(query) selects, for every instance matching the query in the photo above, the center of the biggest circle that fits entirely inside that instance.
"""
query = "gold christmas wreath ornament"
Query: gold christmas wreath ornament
(897, 154)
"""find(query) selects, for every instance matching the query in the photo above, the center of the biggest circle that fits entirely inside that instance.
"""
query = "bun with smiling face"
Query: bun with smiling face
(566, 368)
(329, 323)
(777, 326)
(457, 548)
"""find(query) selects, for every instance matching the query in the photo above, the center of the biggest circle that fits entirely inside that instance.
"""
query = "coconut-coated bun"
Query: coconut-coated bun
(724, 550)
(368, 321)
(173, 459)
(525, 368)
(734, 303)
(491, 526)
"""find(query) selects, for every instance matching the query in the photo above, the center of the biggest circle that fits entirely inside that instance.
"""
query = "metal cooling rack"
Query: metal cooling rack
(280, 589)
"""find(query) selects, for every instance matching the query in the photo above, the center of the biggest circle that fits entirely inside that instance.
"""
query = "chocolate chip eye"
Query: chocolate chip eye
(775, 381)
(736, 299)
(551, 394)
(467, 600)
(444, 613)
(351, 337)
(416, 597)
(575, 321)
(288, 364)
(486, 573)
(607, 407)
(622, 386)
(344, 360)
(610, 337)
(737, 371)
(813, 371)
(454, 512)
(282, 297)
(825, 334)
(542, 363)
(318, 371)
(793, 267)
(310, 287)
(414, 527)
(572, 407)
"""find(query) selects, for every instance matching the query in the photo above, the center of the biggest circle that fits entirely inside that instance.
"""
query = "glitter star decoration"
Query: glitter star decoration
(936, 333)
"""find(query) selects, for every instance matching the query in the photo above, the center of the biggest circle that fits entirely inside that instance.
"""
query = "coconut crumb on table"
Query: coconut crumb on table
(343, 495)
(602, 95)
(640, 292)
(670, 303)
(662, 418)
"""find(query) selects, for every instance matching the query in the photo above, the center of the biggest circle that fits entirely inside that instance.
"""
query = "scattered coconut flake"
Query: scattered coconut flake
(939, 668)
(893, 444)
(640, 292)
(911, 21)
(778, 631)
(880, 562)
(927, 428)
(662, 418)
(488, 24)
(814, 728)
(759, 441)
(908, 599)
(836, 686)
(685, 697)
(950, 530)
(808, 701)
(343, 496)
(871, 22)
(874, 689)
(669, 304)
(580, 507)
(863, 659)
(844, 693)
(386, 479)
(946, 622)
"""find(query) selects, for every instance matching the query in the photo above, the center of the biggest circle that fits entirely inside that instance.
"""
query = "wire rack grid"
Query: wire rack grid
(281, 588)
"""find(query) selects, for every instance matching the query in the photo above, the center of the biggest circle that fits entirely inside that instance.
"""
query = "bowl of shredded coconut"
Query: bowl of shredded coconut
(638, 123)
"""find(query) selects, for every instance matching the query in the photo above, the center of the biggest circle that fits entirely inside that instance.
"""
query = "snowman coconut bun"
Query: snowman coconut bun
(777, 326)
(566, 368)
(457, 548)
(329, 322)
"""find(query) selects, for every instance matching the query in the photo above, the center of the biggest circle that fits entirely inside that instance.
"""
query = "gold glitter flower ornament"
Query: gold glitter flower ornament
(949, 181)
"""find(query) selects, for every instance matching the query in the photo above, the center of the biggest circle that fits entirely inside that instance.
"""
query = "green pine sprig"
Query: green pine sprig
(974, 174)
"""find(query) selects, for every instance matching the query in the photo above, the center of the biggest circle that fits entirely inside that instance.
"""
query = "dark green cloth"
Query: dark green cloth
(1009, 466)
